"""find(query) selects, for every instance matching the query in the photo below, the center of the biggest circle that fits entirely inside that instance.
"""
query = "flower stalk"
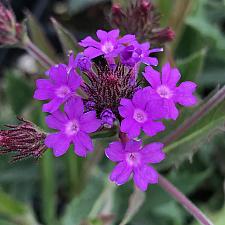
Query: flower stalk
(35, 52)
(184, 201)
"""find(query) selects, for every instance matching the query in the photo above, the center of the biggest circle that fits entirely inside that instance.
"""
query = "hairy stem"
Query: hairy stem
(39, 55)
(203, 110)
(184, 201)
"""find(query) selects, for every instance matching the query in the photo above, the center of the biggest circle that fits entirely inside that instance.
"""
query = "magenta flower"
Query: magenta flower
(133, 158)
(164, 92)
(110, 45)
(136, 53)
(60, 86)
(82, 62)
(74, 126)
(138, 114)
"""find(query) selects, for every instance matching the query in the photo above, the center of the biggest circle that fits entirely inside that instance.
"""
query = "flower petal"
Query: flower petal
(79, 149)
(151, 128)
(74, 108)
(53, 105)
(44, 94)
(74, 80)
(89, 123)
(58, 142)
(126, 39)
(152, 76)
(58, 74)
(133, 146)
(127, 108)
(152, 153)
(121, 173)
(115, 152)
(150, 61)
(170, 76)
(54, 123)
(89, 41)
(113, 34)
(44, 84)
(170, 109)
(102, 35)
(183, 94)
(85, 140)
(92, 52)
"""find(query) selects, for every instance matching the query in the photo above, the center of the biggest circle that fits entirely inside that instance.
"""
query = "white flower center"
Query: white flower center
(72, 127)
(63, 91)
(140, 116)
(133, 158)
(164, 92)
(107, 47)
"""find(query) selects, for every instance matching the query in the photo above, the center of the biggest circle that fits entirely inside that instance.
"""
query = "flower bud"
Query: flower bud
(25, 140)
(10, 30)
(108, 118)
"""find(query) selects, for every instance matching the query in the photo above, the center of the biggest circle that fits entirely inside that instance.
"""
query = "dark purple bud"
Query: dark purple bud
(10, 31)
(25, 140)
(164, 35)
(82, 62)
(108, 118)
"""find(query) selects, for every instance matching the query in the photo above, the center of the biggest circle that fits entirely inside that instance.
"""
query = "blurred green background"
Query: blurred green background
(71, 191)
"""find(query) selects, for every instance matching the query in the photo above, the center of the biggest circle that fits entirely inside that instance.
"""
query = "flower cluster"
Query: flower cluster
(140, 17)
(114, 91)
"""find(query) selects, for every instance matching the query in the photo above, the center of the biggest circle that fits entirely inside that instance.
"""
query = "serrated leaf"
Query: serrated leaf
(81, 206)
(191, 66)
(205, 129)
(18, 91)
(38, 36)
(67, 40)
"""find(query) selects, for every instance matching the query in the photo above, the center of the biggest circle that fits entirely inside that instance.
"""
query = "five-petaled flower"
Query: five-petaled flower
(61, 85)
(74, 126)
(137, 114)
(133, 158)
(136, 53)
(110, 44)
(165, 94)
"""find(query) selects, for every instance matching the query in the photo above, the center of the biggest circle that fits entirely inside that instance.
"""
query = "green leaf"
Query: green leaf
(67, 40)
(18, 91)
(38, 36)
(15, 210)
(199, 20)
(81, 206)
(205, 129)
(135, 202)
(191, 66)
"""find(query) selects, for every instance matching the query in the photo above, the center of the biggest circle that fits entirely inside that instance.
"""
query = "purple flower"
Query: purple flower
(133, 158)
(82, 62)
(136, 53)
(60, 86)
(138, 114)
(108, 118)
(164, 92)
(110, 45)
(74, 126)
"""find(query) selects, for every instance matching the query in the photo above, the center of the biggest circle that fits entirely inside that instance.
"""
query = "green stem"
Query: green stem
(48, 189)
(73, 170)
